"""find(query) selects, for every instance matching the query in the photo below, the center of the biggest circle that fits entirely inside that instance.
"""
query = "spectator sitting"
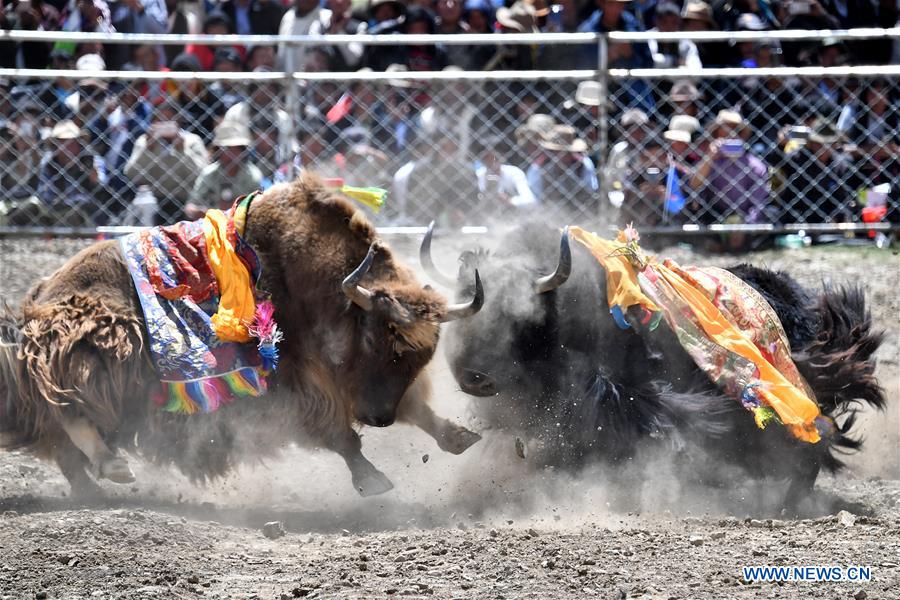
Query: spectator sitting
(260, 56)
(340, 21)
(299, 20)
(684, 99)
(254, 17)
(732, 183)
(680, 134)
(634, 126)
(528, 137)
(364, 165)
(87, 16)
(318, 149)
(697, 15)
(215, 23)
(123, 126)
(20, 156)
(819, 186)
(169, 159)
(441, 186)
(89, 101)
(71, 176)
(136, 16)
(230, 176)
(667, 55)
(417, 20)
(56, 92)
(874, 117)
(178, 22)
(613, 15)
(479, 17)
(31, 16)
(518, 18)
(562, 175)
(502, 188)
(201, 109)
(449, 20)
(227, 60)
(264, 98)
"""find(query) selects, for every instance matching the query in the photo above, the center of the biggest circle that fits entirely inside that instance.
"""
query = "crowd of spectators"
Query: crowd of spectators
(745, 150)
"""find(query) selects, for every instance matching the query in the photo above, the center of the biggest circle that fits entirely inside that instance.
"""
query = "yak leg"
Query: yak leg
(414, 409)
(367, 479)
(73, 465)
(104, 461)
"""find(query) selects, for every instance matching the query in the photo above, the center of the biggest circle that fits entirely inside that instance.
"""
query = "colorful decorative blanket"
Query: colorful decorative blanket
(726, 326)
(196, 282)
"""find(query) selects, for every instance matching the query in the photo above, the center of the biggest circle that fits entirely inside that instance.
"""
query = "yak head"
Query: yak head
(357, 325)
(508, 345)
(399, 325)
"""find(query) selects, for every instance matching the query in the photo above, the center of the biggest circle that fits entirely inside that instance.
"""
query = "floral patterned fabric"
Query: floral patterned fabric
(178, 294)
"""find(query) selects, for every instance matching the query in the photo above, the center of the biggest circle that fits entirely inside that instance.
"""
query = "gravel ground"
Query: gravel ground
(481, 525)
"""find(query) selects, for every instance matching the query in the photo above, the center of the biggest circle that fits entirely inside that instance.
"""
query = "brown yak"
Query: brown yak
(77, 373)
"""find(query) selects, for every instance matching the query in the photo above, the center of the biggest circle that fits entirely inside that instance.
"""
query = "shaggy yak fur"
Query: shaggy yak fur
(78, 349)
(560, 371)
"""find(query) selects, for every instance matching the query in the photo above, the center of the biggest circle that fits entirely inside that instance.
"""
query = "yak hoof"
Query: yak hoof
(458, 440)
(372, 482)
(116, 469)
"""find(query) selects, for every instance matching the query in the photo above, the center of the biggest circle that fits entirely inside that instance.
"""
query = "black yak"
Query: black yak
(550, 362)
(359, 330)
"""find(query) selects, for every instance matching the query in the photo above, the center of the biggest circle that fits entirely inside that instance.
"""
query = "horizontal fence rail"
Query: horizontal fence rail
(676, 151)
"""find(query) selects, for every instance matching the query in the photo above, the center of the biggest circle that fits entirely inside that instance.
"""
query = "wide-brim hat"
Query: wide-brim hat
(534, 128)
(563, 138)
(521, 17)
(230, 133)
(698, 11)
(823, 132)
(728, 117)
(677, 135)
(589, 93)
(685, 123)
(684, 91)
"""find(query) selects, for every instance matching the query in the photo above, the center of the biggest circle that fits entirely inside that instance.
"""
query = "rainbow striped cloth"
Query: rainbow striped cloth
(179, 293)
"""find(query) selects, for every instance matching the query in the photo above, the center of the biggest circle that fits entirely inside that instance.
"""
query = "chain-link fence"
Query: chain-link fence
(667, 148)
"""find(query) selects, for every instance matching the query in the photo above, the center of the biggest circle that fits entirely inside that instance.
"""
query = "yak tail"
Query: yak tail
(10, 335)
(839, 364)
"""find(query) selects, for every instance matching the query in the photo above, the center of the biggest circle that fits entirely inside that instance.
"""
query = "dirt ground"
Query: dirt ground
(481, 525)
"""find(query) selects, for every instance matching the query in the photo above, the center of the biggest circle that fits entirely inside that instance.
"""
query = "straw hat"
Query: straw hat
(563, 138)
(729, 117)
(230, 133)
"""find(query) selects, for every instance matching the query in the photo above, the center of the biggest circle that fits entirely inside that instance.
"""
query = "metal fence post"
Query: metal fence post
(602, 115)
(290, 100)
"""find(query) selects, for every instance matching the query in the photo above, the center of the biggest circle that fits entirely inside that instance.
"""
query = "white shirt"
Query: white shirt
(294, 24)
(513, 183)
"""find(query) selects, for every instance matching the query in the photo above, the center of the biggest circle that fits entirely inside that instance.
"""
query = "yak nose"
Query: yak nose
(377, 420)
(477, 383)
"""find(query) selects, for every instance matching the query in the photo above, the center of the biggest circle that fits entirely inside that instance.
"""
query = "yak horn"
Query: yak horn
(466, 309)
(428, 264)
(351, 288)
(550, 282)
